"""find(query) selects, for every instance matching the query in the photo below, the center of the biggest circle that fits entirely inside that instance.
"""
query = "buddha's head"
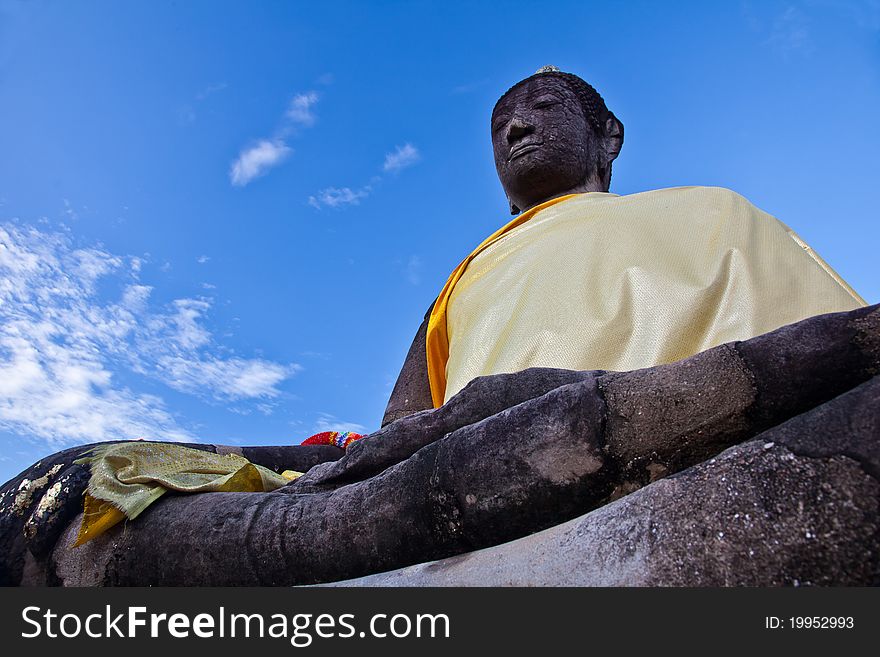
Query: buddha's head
(552, 134)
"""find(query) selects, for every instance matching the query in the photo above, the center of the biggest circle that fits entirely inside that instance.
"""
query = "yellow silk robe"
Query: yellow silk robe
(601, 281)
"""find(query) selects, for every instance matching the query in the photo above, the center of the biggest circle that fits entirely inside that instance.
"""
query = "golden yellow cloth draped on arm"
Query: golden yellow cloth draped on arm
(128, 477)
(600, 281)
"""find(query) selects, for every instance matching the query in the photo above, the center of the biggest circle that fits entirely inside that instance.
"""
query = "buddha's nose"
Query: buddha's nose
(518, 129)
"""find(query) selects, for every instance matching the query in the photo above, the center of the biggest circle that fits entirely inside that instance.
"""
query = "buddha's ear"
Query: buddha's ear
(513, 209)
(613, 137)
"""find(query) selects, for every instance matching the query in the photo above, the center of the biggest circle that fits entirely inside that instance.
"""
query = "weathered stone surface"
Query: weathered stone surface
(801, 365)
(412, 392)
(392, 444)
(508, 456)
(797, 505)
(678, 412)
(662, 418)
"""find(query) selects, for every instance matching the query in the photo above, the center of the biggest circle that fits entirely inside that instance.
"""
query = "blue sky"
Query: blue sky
(223, 221)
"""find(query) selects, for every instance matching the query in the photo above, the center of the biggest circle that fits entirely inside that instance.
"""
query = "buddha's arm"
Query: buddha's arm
(508, 455)
(36, 505)
(412, 392)
(535, 464)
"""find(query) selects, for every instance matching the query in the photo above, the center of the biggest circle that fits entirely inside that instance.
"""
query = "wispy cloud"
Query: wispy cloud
(266, 154)
(340, 197)
(210, 90)
(315, 354)
(328, 422)
(299, 111)
(336, 197)
(202, 259)
(256, 160)
(413, 270)
(231, 379)
(69, 211)
(65, 349)
(402, 157)
(187, 113)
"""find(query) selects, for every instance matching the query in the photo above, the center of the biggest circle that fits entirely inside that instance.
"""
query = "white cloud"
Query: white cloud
(202, 259)
(69, 211)
(185, 328)
(257, 160)
(64, 348)
(210, 90)
(403, 157)
(413, 270)
(230, 379)
(335, 197)
(135, 298)
(267, 153)
(327, 422)
(299, 110)
(339, 197)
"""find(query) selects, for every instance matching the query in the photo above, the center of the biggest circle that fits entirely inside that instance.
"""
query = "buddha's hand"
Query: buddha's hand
(39, 503)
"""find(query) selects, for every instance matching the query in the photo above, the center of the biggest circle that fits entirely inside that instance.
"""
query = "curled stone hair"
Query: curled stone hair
(593, 105)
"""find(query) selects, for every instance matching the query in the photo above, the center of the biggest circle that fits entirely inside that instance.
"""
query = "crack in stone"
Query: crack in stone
(444, 509)
(250, 535)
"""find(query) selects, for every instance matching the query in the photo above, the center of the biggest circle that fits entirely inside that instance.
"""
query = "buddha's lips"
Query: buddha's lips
(522, 149)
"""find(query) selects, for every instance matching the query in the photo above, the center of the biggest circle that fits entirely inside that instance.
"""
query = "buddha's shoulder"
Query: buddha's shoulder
(695, 206)
(690, 196)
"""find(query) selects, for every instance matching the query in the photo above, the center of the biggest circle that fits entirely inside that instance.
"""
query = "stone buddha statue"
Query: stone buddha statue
(588, 348)
(584, 279)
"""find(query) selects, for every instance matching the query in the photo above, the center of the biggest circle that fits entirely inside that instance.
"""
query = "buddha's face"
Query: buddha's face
(542, 142)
